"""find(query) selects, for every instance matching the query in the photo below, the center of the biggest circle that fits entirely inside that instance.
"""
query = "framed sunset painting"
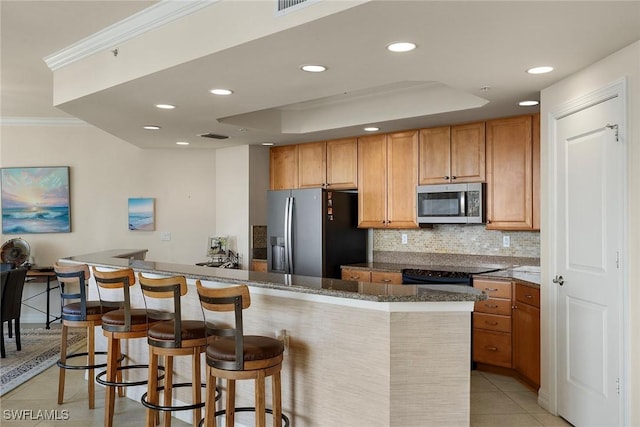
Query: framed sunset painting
(35, 200)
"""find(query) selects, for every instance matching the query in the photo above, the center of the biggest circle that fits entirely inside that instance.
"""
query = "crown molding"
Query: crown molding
(42, 121)
(148, 19)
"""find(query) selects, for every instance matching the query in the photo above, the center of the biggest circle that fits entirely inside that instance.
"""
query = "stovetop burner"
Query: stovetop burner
(443, 274)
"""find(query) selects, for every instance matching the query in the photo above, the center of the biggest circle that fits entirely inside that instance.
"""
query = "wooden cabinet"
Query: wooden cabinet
(387, 179)
(331, 164)
(356, 274)
(452, 154)
(312, 164)
(506, 329)
(283, 167)
(510, 173)
(259, 265)
(526, 333)
(386, 277)
(373, 276)
(536, 171)
(342, 164)
(492, 324)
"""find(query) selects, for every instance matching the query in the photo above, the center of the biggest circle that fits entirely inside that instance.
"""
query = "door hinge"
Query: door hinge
(615, 128)
(617, 259)
(618, 386)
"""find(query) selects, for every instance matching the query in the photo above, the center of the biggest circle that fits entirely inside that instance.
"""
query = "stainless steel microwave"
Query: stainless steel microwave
(451, 204)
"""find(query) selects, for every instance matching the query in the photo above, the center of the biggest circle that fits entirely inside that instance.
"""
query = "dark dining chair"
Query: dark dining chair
(11, 304)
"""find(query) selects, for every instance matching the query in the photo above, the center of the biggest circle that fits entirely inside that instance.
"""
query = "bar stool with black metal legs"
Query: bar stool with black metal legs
(125, 322)
(173, 337)
(235, 356)
(78, 312)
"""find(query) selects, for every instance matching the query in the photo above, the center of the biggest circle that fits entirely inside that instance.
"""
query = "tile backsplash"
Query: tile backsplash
(459, 239)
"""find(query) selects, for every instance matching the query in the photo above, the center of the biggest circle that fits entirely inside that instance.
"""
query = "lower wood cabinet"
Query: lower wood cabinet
(373, 276)
(492, 348)
(526, 333)
(259, 265)
(506, 329)
(491, 336)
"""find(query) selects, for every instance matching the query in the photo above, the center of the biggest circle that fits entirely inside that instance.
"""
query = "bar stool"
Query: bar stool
(77, 312)
(124, 322)
(172, 337)
(235, 356)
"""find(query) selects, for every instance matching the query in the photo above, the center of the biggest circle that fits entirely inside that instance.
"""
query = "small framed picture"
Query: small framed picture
(142, 214)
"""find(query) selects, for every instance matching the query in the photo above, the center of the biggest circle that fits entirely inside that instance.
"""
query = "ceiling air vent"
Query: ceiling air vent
(214, 136)
(286, 4)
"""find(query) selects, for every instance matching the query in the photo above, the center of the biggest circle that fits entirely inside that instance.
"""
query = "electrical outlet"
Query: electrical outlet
(404, 239)
(506, 241)
(165, 236)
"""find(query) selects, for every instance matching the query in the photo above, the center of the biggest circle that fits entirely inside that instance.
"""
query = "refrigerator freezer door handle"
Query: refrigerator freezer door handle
(286, 234)
(288, 262)
(288, 237)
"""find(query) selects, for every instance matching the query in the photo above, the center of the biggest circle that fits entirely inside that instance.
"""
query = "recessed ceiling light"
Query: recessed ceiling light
(222, 92)
(313, 68)
(540, 70)
(371, 129)
(151, 127)
(528, 103)
(166, 106)
(182, 143)
(268, 144)
(401, 46)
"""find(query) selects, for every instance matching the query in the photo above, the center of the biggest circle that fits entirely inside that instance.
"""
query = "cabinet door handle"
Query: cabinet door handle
(386, 280)
(529, 296)
(454, 177)
(491, 289)
(492, 348)
(491, 306)
(446, 177)
(354, 277)
(491, 323)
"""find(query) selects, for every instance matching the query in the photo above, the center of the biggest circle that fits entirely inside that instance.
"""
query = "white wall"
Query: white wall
(104, 172)
(625, 63)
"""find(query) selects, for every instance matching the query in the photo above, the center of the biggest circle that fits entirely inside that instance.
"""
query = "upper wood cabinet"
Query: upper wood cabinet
(452, 154)
(510, 176)
(331, 164)
(283, 167)
(387, 179)
(536, 171)
(342, 164)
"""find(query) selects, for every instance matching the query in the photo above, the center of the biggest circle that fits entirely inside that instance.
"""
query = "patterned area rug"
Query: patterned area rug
(40, 350)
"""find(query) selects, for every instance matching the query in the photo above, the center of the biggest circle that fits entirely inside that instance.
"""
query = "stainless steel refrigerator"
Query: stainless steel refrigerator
(312, 232)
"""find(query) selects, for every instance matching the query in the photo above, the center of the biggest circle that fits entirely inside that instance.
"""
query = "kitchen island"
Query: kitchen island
(358, 353)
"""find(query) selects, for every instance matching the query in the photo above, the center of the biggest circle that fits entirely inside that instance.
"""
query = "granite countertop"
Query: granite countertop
(528, 275)
(525, 274)
(287, 282)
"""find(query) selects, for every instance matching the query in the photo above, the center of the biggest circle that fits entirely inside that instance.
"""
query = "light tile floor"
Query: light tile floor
(499, 401)
(495, 401)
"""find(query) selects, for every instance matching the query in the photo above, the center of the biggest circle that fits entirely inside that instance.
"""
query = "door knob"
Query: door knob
(559, 280)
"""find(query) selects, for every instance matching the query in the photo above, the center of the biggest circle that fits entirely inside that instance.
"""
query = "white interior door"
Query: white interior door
(588, 243)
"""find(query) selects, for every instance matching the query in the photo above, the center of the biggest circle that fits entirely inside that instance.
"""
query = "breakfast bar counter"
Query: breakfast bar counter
(358, 353)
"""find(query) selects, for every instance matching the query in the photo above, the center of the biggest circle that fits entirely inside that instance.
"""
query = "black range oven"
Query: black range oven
(442, 275)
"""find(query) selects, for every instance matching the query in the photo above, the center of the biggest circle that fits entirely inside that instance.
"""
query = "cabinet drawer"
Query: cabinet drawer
(528, 295)
(356, 275)
(492, 322)
(493, 288)
(494, 306)
(386, 277)
(493, 348)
